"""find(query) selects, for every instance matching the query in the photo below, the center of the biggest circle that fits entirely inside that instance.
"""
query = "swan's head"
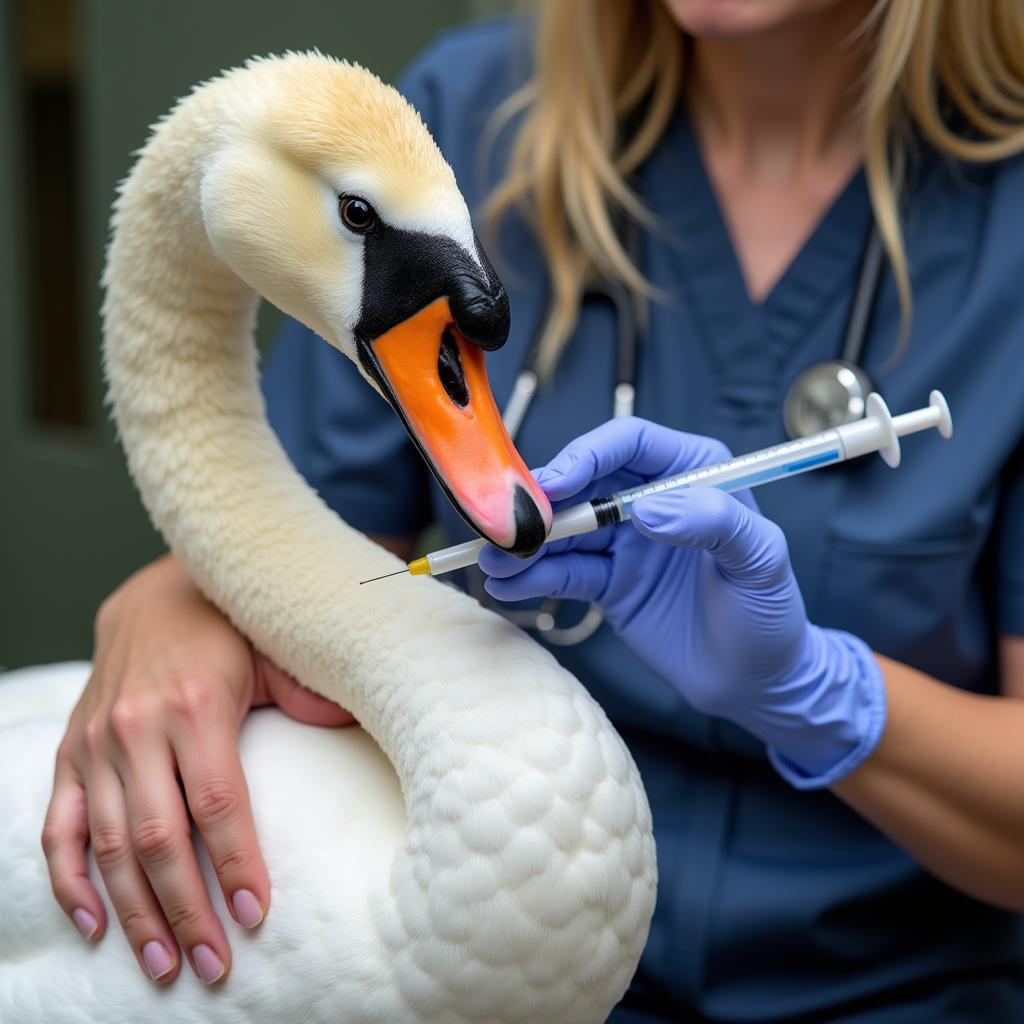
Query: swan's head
(326, 194)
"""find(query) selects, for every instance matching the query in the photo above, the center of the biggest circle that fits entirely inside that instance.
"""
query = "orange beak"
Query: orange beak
(436, 381)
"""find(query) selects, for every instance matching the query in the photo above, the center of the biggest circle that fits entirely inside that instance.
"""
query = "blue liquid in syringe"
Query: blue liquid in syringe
(782, 460)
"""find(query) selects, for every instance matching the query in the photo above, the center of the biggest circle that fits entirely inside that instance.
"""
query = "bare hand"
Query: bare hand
(153, 741)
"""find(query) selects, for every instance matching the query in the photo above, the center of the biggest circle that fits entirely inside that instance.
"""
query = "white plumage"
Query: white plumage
(503, 869)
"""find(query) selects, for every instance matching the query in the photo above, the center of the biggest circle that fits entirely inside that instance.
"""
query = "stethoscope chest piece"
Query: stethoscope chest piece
(825, 395)
(834, 392)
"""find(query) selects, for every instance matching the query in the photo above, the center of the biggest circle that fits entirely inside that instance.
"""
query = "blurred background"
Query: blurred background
(80, 81)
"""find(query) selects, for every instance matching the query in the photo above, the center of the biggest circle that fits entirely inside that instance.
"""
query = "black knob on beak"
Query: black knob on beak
(481, 311)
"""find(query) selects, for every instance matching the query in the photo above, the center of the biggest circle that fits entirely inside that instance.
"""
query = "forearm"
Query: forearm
(945, 783)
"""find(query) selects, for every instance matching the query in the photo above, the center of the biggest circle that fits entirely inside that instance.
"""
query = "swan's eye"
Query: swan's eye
(356, 214)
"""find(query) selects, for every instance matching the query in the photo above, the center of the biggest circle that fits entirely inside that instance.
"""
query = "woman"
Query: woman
(873, 868)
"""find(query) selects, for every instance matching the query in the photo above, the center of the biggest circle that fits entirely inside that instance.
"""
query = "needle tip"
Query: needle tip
(384, 577)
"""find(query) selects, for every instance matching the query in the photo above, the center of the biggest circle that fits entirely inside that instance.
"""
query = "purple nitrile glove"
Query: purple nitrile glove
(700, 586)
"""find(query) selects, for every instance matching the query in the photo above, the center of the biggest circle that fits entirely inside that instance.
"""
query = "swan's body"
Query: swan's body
(322, 854)
(511, 876)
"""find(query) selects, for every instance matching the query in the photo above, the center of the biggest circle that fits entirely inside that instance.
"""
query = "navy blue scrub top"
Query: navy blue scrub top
(773, 905)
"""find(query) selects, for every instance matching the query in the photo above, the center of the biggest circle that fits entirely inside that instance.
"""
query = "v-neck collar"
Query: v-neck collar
(749, 341)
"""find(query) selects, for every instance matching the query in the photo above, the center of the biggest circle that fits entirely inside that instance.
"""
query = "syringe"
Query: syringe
(878, 431)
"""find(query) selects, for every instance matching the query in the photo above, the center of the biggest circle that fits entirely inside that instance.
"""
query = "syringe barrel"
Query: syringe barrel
(861, 437)
(570, 522)
(457, 557)
(782, 460)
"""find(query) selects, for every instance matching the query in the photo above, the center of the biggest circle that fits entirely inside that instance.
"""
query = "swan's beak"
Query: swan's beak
(436, 380)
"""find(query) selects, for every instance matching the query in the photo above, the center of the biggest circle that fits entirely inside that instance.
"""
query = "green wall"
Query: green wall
(71, 527)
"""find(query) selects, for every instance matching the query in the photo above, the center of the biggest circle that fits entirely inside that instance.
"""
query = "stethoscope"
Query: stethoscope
(827, 394)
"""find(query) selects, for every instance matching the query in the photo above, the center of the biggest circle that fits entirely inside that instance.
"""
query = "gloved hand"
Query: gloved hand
(700, 586)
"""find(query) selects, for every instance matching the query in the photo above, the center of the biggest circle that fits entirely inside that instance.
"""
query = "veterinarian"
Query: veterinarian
(700, 207)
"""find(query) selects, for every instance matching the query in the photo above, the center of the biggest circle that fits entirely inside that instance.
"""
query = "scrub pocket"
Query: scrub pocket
(909, 600)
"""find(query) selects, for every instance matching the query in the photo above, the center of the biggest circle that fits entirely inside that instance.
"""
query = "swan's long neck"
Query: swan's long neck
(528, 837)
(182, 371)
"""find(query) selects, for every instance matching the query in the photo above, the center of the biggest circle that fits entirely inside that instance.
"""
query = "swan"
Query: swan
(482, 847)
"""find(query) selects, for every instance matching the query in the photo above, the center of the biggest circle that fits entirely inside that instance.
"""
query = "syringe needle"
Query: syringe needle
(386, 575)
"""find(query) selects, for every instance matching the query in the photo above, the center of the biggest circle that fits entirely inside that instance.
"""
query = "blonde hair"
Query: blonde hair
(605, 64)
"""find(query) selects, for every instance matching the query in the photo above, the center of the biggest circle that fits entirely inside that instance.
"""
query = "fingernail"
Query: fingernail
(157, 960)
(547, 474)
(248, 912)
(85, 922)
(208, 964)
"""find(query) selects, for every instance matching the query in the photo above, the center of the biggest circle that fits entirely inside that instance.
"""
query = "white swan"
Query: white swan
(507, 873)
